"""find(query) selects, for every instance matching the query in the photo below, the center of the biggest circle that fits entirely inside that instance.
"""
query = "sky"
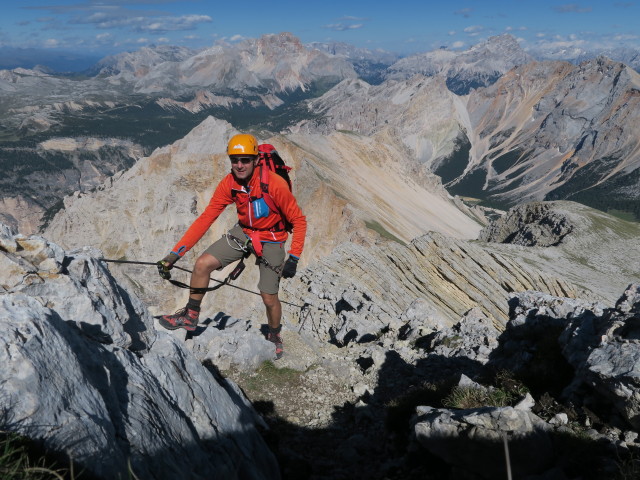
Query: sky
(103, 27)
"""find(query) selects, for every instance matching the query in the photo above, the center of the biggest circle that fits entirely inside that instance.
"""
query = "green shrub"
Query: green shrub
(475, 397)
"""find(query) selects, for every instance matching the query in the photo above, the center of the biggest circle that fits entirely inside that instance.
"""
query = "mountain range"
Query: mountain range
(495, 125)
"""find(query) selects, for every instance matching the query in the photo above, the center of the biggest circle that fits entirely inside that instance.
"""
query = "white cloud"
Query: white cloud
(172, 24)
(621, 38)
(474, 30)
(51, 43)
(457, 44)
(340, 27)
(120, 15)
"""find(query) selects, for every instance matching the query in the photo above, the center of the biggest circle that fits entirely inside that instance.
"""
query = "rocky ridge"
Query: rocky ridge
(162, 194)
(419, 115)
(572, 137)
(37, 179)
(544, 130)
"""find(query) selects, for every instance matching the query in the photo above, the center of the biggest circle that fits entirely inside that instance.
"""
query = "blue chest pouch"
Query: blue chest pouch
(259, 208)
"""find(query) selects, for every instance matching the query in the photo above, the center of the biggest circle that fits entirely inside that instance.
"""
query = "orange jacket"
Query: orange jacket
(223, 196)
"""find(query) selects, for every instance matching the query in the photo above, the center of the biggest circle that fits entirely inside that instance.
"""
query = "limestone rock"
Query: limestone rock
(474, 337)
(602, 345)
(85, 373)
(550, 130)
(228, 342)
(472, 440)
(580, 244)
(450, 277)
(535, 223)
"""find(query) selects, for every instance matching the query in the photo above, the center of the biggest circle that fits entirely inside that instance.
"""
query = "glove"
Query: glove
(290, 266)
(166, 264)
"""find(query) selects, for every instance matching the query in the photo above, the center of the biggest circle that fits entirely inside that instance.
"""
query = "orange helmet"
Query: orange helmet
(242, 144)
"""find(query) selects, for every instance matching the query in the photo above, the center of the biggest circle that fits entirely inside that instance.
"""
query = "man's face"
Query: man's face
(242, 166)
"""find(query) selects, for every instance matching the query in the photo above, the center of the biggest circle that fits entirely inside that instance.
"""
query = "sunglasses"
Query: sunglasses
(243, 160)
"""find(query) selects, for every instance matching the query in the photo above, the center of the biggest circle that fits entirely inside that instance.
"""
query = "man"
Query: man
(264, 226)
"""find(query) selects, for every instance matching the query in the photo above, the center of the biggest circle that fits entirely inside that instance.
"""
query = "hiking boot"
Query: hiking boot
(183, 318)
(277, 340)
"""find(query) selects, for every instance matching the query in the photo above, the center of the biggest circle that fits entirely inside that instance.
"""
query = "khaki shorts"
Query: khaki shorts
(227, 252)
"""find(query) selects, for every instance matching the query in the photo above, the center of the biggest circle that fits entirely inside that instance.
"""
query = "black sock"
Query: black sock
(194, 304)
(275, 331)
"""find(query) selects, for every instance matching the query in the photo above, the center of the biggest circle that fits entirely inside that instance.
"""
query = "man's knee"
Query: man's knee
(270, 299)
(206, 263)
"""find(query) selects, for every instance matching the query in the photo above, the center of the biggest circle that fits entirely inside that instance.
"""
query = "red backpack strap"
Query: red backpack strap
(264, 186)
(266, 163)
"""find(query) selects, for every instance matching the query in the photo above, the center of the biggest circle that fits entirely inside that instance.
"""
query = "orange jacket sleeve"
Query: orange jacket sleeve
(220, 199)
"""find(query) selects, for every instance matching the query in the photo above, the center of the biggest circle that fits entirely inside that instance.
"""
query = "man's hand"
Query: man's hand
(290, 266)
(166, 264)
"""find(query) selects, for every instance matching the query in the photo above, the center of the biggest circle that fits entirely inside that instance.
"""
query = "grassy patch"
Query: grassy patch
(475, 397)
(17, 461)
(269, 377)
(23, 459)
(383, 232)
(403, 407)
(451, 342)
(623, 215)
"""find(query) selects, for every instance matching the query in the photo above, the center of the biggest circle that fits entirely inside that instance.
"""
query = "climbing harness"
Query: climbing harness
(248, 248)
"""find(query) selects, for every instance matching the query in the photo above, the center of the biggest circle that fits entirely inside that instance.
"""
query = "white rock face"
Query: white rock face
(418, 115)
(545, 125)
(85, 372)
(275, 61)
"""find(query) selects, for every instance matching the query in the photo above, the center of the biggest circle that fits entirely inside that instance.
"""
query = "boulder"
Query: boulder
(473, 440)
